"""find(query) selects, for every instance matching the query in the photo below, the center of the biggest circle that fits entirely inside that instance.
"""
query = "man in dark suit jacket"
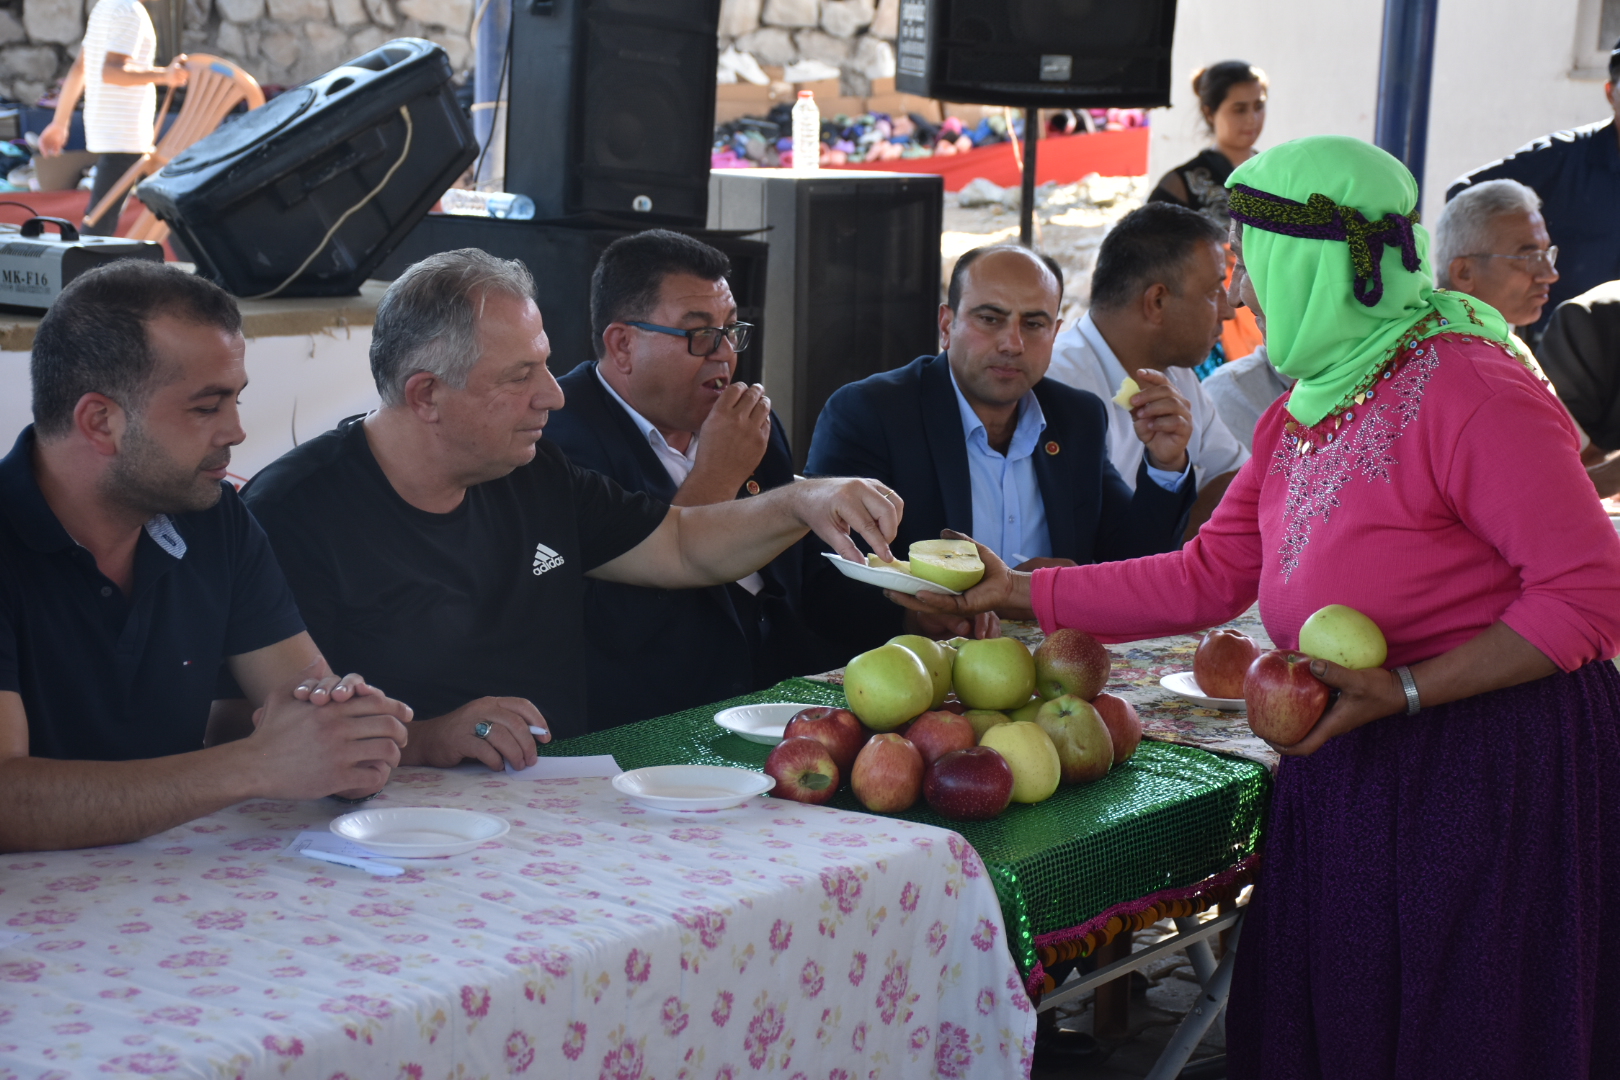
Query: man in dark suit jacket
(975, 440)
(658, 413)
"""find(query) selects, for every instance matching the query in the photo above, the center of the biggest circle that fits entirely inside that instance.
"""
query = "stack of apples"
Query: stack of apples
(960, 724)
(1282, 698)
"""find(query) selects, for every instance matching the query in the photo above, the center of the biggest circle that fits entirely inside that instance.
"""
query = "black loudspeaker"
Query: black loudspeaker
(612, 107)
(320, 183)
(854, 276)
(1049, 53)
(561, 258)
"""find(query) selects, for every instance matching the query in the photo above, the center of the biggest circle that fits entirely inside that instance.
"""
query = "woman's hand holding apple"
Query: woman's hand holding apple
(1000, 589)
(1364, 696)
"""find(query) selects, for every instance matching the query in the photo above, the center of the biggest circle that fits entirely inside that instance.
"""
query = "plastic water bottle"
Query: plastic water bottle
(806, 132)
(495, 204)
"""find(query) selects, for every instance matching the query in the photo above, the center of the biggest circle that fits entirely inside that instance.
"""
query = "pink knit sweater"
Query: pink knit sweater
(1452, 498)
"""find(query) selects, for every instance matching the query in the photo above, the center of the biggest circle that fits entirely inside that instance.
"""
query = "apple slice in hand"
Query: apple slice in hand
(1127, 390)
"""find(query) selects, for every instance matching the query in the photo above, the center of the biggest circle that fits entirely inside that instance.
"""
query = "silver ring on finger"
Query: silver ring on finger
(482, 729)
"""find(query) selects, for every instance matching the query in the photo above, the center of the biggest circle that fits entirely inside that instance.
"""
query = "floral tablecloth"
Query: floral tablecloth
(596, 939)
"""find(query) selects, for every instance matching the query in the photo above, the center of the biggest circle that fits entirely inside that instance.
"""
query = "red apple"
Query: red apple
(937, 733)
(1222, 661)
(1124, 726)
(969, 785)
(804, 770)
(1284, 699)
(837, 729)
(1071, 662)
(888, 773)
(953, 705)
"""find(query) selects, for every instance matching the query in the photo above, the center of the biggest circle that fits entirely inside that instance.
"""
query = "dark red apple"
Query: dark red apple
(938, 732)
(1071, 661)
(1284, 699)
(888, 773)
(804, 770)
(1124, 726)
(1222, 661)
(969, 785)
(953, 705)
(839, 730)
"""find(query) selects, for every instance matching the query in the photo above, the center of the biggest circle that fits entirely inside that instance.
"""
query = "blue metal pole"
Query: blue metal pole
(1405, 70)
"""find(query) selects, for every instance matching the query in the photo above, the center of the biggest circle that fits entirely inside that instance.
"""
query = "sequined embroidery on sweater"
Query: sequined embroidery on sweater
(1357, 441)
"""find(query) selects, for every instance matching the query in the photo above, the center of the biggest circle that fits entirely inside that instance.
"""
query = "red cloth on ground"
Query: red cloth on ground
(1453, 498)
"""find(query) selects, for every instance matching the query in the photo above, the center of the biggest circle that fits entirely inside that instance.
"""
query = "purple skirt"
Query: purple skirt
(1440, 897)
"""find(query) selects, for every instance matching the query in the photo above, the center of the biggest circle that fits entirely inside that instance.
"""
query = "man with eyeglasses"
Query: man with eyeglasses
(659, 412)
(1491, 242)
(444, 539)
(1577, 175)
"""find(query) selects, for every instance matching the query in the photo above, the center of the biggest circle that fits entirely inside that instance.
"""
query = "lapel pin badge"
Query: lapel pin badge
(1052, 448)
(752, 487)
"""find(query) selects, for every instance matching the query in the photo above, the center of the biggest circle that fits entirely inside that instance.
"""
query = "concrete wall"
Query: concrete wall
(1503, 75)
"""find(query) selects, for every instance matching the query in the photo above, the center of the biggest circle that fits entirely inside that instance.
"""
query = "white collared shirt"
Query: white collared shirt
(1082, 359)
(677, 464)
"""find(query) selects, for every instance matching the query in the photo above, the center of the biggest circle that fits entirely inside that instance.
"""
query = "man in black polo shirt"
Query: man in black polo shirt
(441, 545)
(130, 573)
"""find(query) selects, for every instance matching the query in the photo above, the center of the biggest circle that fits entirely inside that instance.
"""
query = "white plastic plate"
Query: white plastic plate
(1183, 685)
(884, 578)
(419, 832)
(759, 723)
(692, 787)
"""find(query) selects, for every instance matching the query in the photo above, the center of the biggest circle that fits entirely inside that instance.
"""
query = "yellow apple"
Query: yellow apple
(937, 658)
(1030, 754)
(1345, 636)
(887, 686)
(954, 564)
(994, 673)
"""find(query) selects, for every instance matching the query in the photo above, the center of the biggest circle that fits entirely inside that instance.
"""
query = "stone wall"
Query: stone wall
(855, 36)
(278, 42)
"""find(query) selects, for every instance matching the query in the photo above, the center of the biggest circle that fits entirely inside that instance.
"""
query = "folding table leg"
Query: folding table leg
(1198, 953)
(1193, 1026)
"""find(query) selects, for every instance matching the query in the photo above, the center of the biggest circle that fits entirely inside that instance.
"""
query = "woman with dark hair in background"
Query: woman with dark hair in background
(1232, 100)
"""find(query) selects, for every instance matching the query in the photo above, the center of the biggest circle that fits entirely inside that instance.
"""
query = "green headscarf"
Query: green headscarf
(1319, 328)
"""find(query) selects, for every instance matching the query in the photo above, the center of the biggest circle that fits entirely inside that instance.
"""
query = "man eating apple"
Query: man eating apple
(459, 560)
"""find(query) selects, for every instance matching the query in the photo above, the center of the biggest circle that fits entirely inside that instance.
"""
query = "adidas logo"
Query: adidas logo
(545, 559)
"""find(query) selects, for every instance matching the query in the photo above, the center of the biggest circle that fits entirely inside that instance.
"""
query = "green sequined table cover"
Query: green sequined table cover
(1169, 817)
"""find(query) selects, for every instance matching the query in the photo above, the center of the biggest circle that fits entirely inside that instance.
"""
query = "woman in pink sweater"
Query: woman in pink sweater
(1441, 882)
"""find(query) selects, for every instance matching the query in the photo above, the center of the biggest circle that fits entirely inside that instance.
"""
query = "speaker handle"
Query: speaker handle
(35, 226)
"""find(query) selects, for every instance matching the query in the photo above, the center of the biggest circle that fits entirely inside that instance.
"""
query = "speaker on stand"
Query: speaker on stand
(611, 108)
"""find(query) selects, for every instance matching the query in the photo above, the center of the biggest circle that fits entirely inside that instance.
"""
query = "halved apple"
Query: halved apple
(954, 564)
(894, 564)
(1127, 390)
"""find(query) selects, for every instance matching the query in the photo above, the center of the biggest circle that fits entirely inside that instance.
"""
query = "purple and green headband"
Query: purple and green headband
(1320, 218)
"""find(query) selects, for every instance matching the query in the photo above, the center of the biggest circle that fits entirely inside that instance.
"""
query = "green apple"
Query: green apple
(985, 719)
(887, 686)
(1030, 754)
(954, 564)
(937, 658)
(994, 673)
(1084, 747)
(1345, 636)
(1028, 710)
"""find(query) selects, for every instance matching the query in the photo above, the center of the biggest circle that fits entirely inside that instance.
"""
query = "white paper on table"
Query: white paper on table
(8, 938)
(329, 842)
(560, 768)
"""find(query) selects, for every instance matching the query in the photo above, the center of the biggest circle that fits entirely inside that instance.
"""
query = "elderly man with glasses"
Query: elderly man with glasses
(660, 412)
(447, 538)
(1491, 242)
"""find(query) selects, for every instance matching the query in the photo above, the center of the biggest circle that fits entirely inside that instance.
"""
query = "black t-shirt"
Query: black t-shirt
(439, 609)
(104, 677)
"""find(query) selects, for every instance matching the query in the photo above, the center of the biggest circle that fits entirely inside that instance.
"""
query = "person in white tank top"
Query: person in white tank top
(114, 72)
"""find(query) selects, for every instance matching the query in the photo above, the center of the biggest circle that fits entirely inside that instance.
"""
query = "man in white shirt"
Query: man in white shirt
(1243, 390)
(115, 74)
(1157, 302)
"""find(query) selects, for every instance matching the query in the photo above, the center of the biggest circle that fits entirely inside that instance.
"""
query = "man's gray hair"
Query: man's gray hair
(428, 318)
(1464, 227)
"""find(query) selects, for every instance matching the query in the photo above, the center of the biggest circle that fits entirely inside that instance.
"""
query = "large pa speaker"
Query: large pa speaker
(306, 194)
(561, 258)
(854, 276)
(1049, 53)
(611, 107)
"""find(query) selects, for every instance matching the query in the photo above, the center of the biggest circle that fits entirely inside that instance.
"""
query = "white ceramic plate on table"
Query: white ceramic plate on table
(419, 832)
(692, 787)
(762, 724)
(884, 578)
(1183, 685)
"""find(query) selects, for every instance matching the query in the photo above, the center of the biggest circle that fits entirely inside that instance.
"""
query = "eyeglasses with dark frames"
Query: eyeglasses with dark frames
(1547, 259)
(704, 340)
